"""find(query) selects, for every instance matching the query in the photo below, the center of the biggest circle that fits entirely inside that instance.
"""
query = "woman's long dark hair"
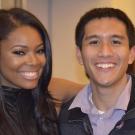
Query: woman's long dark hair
(44, 108)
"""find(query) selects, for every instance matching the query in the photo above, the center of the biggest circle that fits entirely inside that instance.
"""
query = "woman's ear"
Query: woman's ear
(132, 55)
(79, 55)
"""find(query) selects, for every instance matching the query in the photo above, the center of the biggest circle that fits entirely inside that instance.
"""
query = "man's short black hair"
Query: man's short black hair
(98, 13)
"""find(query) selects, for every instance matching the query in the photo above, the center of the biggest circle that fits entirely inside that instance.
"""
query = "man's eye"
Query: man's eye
(19, 52)
(94, 42)
(116, 42)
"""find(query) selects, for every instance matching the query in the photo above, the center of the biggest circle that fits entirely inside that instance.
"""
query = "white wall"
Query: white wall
(60, 17)
(40, 8)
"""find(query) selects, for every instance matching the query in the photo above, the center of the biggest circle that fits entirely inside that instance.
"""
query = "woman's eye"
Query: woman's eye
(18, 52)
(40, 51)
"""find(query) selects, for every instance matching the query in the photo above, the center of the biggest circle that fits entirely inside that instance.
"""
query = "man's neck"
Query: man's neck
(105, 98)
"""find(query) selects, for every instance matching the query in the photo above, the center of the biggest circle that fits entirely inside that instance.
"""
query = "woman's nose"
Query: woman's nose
(32, 60)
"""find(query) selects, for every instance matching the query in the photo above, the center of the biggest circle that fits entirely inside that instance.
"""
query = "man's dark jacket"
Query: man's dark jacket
(75, 122)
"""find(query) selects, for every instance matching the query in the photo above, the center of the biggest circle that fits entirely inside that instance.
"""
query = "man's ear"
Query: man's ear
(79, 55)
(132, 55)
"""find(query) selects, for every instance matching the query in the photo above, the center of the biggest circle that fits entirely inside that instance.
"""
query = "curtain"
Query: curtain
(5, 4)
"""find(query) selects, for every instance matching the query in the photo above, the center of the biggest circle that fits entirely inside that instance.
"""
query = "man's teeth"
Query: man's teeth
(105, 65)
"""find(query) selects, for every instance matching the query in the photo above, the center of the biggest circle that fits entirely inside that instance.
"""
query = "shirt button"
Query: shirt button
(101, 118)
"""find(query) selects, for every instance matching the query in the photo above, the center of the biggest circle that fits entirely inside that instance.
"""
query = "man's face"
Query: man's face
(105, 51)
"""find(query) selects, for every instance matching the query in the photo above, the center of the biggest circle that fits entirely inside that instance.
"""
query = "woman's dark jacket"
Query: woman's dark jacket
(17, 109)
(75, 122)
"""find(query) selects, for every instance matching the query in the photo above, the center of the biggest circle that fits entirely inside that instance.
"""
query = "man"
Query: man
(105, 40)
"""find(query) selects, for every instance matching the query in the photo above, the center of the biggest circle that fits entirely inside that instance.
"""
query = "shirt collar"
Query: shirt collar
(82, 98)
(123, 104)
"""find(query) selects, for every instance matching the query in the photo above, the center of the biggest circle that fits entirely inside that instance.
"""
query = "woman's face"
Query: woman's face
(22, 58)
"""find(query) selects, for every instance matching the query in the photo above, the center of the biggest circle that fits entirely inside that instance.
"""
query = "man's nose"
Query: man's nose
(106, 49)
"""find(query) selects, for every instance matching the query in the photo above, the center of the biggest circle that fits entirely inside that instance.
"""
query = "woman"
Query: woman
(26, 107)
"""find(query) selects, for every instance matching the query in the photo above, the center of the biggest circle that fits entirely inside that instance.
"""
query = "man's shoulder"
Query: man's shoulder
(133, 76)
(67, 104)
(133, 80)
(64, 113)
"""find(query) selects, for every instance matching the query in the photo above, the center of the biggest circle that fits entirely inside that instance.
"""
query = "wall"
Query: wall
(40, 8)
(60, 18)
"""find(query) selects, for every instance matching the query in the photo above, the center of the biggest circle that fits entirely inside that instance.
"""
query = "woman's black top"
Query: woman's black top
(17, 112)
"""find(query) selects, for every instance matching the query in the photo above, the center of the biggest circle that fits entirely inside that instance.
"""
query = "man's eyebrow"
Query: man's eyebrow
(90, 37)
(96, 36)
(118, 36)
